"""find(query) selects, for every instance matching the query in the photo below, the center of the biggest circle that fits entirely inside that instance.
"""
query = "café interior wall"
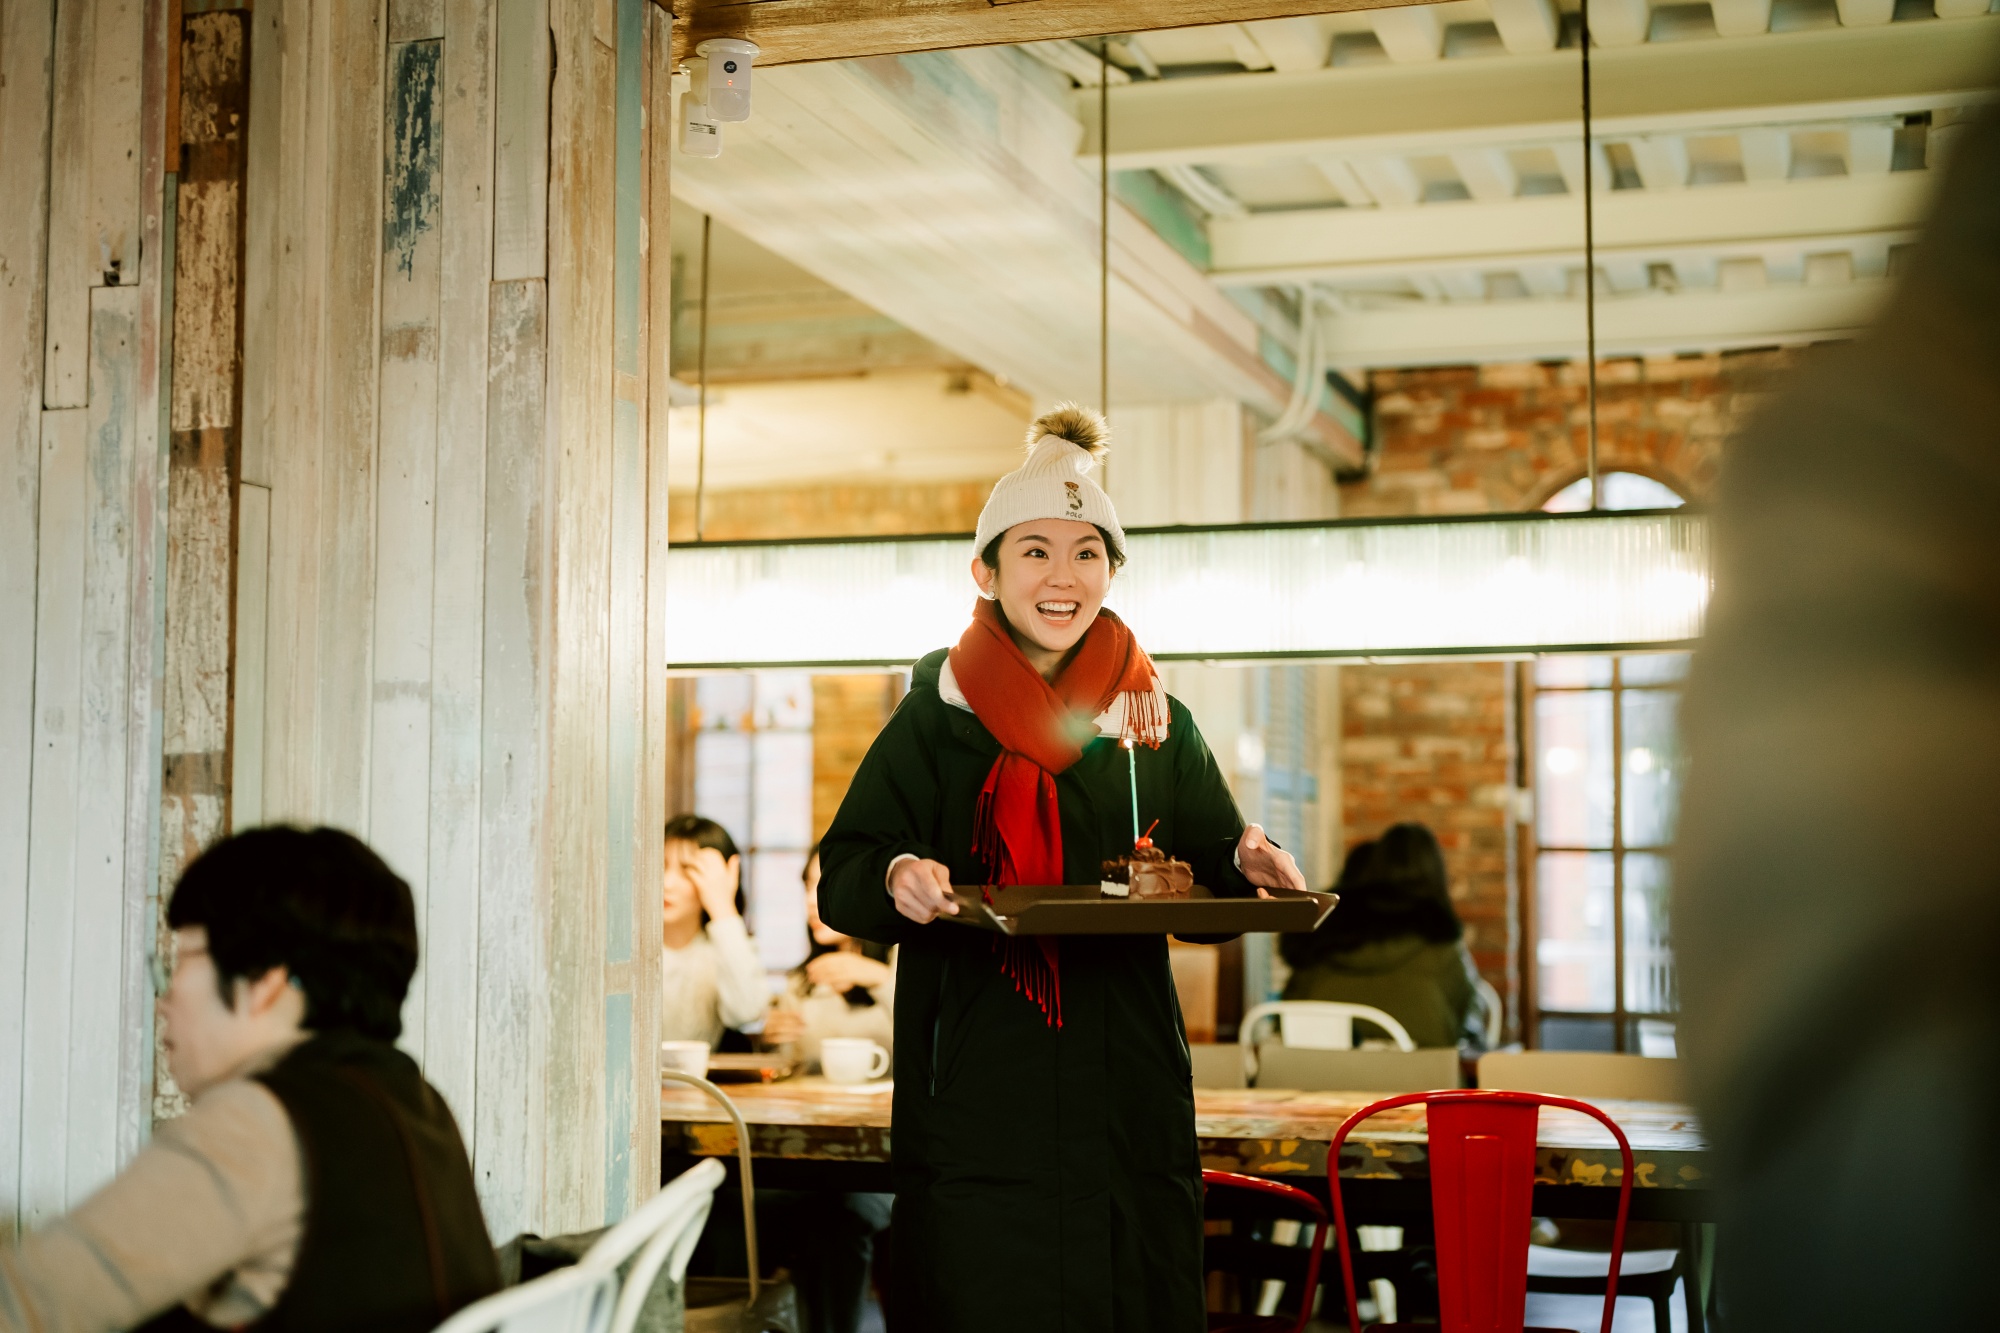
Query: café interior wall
(1433, 741)
(409, 537)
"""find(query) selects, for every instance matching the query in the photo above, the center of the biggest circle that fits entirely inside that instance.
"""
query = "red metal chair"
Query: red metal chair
(1482, 1164)
(1295, 1199)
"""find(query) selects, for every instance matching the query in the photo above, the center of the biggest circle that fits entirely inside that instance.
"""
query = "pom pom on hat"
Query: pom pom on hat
(1079, 425)
(1064, 445)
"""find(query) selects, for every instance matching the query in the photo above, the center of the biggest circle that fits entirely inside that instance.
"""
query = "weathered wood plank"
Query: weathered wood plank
(627, 577)
(521, 73)
(264, 161)
(581, 369)
(201, 484)
(145, 683)
(790, 31)
(97, 1018)
(509, 1125)
(406, 485)
(451, 939)
(253, 591)
(27, 33)
(62, 524)
(416, 20)
(94, 217)
(657, 344)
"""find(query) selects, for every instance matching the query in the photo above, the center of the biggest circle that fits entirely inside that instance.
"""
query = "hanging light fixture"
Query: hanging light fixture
(1520, 583)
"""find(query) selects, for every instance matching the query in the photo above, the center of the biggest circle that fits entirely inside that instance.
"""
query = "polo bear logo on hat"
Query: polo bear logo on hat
(1075, 497)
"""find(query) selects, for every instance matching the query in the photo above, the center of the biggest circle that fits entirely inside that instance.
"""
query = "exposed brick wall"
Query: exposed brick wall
(1478, 439)
(848, 712)
(1431, 742)
(831, 511)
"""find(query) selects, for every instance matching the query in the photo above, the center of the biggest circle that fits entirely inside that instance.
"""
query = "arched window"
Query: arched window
(1606, 772)
(1618, 490)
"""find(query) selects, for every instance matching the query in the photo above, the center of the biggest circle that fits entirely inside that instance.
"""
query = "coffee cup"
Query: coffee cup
(685, 1057)
(852, 1059)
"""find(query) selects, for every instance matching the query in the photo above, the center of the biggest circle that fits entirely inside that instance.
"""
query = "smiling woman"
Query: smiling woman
(1044, 1120)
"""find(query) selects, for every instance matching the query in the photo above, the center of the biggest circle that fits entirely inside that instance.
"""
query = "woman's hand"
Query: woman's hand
(922, 890)
(843, 971)
(1265, 864)
(783, 1026)
(715, 882)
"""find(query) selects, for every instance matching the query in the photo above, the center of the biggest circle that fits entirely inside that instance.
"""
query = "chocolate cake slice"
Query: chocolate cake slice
(1147, 873)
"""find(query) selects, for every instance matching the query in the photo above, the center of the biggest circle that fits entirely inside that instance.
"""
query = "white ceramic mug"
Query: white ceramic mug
(685, 1057)
(852, 1059)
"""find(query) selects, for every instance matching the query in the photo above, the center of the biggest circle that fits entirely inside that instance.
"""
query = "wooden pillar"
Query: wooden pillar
(454, 642)
(81, 91)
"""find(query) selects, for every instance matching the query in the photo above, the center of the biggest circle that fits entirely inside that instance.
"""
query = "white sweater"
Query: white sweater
(715, 982)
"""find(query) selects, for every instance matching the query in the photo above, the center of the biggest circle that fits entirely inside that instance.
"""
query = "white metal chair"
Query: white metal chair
(1357, 1071)
(569, 1300)
(1318, 1025)
(662, 1233)
(1496, 1011)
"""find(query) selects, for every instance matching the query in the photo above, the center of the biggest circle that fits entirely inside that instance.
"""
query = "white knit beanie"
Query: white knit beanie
(1063, 446)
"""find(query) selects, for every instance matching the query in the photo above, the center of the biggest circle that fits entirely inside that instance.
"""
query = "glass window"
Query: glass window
(753, 774)
(1607, 771)
(1616, 490)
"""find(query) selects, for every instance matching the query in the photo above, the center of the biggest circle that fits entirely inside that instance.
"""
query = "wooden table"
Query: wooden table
(1267, 1132)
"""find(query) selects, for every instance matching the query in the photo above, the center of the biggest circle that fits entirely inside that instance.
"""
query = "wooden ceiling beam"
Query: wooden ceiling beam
(795, 31)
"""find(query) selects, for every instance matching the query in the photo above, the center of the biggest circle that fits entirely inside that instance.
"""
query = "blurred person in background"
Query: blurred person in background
(845, 988)
(1395, 942)
(710, 976)
(1837, 901)
(317, 1181)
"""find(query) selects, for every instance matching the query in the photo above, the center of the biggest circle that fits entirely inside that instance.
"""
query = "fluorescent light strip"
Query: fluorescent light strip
(1383, 588)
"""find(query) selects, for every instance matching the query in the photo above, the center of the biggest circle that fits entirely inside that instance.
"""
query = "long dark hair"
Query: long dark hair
(705, 832)
(1392, 887)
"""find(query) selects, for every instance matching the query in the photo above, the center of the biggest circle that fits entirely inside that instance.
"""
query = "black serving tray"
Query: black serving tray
(1082, 909)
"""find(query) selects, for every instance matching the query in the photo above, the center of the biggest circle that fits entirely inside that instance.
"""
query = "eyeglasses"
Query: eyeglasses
(160, 971)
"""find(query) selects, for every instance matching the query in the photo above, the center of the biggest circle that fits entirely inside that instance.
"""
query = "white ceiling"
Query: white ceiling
(1421, 166)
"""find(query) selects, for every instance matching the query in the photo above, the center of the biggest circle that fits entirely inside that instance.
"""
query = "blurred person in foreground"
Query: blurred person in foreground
(1395, 943)
(1837, 908)
(318, 1182)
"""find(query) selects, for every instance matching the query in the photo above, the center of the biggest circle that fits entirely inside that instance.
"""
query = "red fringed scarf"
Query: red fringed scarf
(1042, 727)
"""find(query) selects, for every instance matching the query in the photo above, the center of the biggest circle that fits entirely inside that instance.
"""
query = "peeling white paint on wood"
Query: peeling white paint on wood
(406, 487)
(27, 30)
(93, 180)
(510, 1122)
(452, 1019)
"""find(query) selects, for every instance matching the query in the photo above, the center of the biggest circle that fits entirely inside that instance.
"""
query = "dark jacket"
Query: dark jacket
(1046, 1178)
(394, 1241)
(1428, 987)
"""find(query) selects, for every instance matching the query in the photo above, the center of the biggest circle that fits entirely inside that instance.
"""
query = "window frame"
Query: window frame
(1623, 1018)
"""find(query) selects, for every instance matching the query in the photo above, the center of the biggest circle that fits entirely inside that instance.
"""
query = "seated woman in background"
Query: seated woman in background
(1395, 942)
(845, 988)
(710, 975)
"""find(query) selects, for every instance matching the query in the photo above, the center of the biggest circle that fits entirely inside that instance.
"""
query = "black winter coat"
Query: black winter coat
(1045, 1178)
